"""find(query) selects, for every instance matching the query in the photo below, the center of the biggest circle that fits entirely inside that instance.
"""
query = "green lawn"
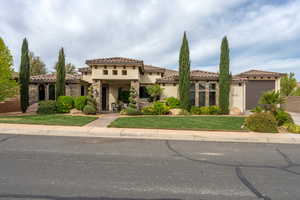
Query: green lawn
(65, 120)
(227, 123)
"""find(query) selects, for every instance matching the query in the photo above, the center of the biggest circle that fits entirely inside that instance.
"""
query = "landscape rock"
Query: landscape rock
(176, 111)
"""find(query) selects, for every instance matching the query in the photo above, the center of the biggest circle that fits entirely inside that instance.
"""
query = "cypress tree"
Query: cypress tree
(184, 74)
(24, 76)
(60, 74)
(224, 77)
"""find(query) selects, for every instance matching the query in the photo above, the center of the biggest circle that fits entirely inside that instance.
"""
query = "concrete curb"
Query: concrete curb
(158, 134)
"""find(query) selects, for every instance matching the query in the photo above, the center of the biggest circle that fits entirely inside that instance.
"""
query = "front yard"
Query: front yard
(64, 120)
(226, 123)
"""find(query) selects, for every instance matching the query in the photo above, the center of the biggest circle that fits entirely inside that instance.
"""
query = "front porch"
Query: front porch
(108, 93)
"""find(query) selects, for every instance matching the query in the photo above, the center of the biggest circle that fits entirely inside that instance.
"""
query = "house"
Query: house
(110, 76)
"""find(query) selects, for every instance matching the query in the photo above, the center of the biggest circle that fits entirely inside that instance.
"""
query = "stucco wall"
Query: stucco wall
(73, 90)
(169, 91)
(237, 96)
(87, 77)
(150, 77)
(132, 73)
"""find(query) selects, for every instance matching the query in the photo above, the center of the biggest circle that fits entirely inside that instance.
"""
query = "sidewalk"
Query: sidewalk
(218, 136)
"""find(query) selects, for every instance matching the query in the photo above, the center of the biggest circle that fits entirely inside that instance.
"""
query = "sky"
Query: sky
(262, 34)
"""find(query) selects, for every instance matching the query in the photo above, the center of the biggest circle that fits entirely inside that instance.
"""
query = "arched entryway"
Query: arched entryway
(51, 92)
(42, 92)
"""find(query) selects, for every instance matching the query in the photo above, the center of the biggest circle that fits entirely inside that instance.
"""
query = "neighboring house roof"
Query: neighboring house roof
(259, 73)
(151, 68)
(114, 60)
(51, 78)
(84, 69)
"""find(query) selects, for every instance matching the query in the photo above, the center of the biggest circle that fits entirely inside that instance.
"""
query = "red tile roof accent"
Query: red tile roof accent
(114, 60)
(50, 78)
(254, 72)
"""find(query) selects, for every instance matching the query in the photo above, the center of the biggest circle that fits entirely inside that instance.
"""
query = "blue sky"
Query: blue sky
(262, 34)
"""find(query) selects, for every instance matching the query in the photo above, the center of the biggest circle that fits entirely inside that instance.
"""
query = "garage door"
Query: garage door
(254, 89)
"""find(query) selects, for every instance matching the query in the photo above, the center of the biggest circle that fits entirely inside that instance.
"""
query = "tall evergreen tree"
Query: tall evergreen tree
(8, 86)
(184, 74)
(60, 74)
(224, 77)
(24, 76)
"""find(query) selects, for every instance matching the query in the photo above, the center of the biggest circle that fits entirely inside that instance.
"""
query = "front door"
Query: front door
(104, 98)
(42, 92)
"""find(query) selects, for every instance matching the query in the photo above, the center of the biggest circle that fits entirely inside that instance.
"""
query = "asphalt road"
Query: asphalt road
(64, 168)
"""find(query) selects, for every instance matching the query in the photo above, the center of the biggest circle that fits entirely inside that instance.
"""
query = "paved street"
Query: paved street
(69, 168)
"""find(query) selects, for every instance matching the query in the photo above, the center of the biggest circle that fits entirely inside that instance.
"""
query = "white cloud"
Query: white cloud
(261, 33)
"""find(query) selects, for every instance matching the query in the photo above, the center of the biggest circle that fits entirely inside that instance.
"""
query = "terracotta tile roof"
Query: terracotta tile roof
(198, 75)
(151, 68)
(114, 60)
(84, 69)
(252, 73)
(50, 78)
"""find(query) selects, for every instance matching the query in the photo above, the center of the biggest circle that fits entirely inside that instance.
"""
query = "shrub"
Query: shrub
(172, 102)
(130, 111)
(204, 110)
(257, 109)
(262, 122)
(64, 104)
(148, 110)
(80, 102)
(293, 128)
(214, 110)
(89, 110)
(124, 96)
(184, 112)
(195, 110)
(47, 107)
(160, 108)
(283, 117)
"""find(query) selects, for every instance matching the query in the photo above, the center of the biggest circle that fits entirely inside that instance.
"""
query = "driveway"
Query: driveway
(66, 168)
(296, 117)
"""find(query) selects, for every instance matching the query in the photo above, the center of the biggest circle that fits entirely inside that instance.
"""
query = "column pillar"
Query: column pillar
(197, 94)
(136, 85)
(207, 94)
(47, 91)
(97, 93)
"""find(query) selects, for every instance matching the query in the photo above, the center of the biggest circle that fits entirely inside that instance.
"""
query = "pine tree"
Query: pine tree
(8, 86)
(24, 76)
(184, 74)
(224, 77)
(60, 74)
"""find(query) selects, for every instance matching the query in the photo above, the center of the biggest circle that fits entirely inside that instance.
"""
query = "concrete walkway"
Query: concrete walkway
(104, 120)
(296, 117)
(90, 131)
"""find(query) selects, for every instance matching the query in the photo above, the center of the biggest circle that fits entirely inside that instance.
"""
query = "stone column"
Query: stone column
(97, 86)
(197, 94)
(207, 94)
(136, 85)
(46, 91)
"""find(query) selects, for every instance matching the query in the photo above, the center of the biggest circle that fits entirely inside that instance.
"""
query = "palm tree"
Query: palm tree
(271, 99)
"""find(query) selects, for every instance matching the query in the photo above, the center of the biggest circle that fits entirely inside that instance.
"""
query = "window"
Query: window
(201, 86)
(144, 92)
(82, 90)
(115, 72)
(212, 86)
(150, 73)
(133, 67)
(124, 72)
(105, 72)
(192, 94)
(202, 98)
(212, 98)
(158, 73)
